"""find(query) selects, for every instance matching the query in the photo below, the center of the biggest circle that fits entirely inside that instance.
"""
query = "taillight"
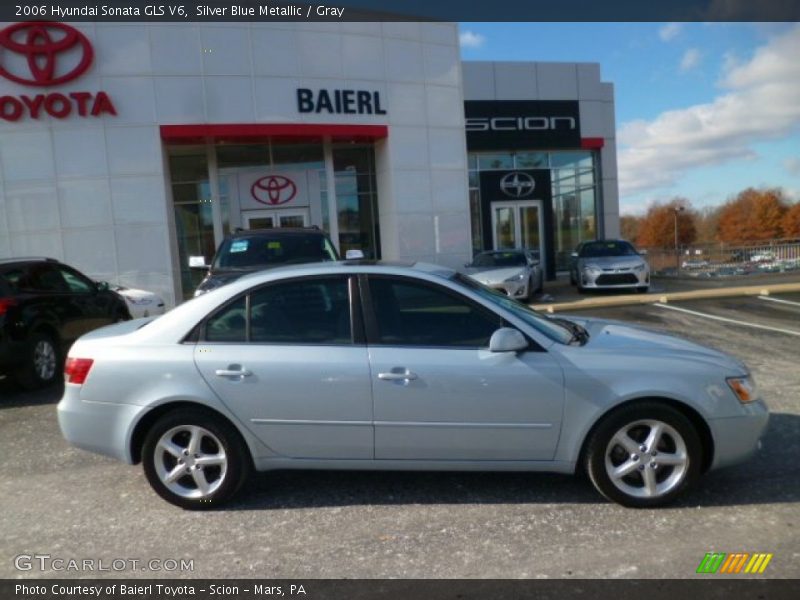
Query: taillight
(77, 369)
(5, 304)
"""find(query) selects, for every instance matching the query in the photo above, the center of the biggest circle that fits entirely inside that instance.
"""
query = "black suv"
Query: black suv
(247, 251)
(44, 307)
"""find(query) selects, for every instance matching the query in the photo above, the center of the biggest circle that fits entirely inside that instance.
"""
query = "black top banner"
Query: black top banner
(522, 124)
(403, 10)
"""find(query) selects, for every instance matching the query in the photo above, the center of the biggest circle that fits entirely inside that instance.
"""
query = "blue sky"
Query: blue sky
(703, 110)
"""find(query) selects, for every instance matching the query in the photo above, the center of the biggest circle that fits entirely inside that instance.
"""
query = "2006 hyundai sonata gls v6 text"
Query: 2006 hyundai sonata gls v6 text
(369, 366)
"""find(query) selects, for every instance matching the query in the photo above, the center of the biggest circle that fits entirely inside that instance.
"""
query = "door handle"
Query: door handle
(233, 373)
(401, 376)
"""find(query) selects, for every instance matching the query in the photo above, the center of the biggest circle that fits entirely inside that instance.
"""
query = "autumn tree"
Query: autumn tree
(657, 228)
(707, 224)
(791, 222)
(629, 227)
(754, 215)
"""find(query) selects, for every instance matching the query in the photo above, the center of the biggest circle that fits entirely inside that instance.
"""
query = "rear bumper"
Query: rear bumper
(737, 438)
(12, 355)
(100, 427)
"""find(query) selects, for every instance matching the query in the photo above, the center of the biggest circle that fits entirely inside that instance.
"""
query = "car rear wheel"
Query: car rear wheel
(194, 460)
(644, 455)
(42, 365)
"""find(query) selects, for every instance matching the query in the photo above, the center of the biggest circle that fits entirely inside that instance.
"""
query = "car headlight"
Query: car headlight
(744, 388)
(516, 278)
(591, 269)
(139, 301)
(640, 267)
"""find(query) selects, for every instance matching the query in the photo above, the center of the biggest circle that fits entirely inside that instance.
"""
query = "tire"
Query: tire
(617, 443)
(540, 284)
(572, 279)
(224, 471)
(42, 366)
(643, 289)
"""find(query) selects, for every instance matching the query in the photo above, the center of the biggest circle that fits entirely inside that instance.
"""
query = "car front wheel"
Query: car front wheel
(194, 460)
(644, 455)
(43, 363)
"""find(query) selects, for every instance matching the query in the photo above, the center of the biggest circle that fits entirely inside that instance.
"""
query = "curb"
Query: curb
(632, 299)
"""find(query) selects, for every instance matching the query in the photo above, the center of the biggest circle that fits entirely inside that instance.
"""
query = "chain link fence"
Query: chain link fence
(725, 260)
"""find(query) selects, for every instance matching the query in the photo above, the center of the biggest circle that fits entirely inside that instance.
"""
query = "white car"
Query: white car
(141, 303)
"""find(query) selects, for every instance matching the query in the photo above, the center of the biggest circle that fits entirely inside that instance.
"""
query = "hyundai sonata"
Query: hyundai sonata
(367, 366)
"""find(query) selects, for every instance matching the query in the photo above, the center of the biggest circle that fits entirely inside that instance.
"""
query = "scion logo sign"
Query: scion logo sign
(522, 124)
(517, 185)
(273, 190)
(40, 54)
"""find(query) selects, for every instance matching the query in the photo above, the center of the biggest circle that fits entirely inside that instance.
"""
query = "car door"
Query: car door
(439, 393)
(288, 361)
(93, 309)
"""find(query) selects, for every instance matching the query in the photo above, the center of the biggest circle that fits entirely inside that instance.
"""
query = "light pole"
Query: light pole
(677, 210)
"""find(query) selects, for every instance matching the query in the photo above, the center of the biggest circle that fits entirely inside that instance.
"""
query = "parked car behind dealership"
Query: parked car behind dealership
(608, 264)
(45, 306)
(516, 273)
(251, 250)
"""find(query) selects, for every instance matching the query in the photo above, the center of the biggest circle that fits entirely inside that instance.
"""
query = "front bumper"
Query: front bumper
(737, 438)
(101, 427)
(511, 289)
(614, 280)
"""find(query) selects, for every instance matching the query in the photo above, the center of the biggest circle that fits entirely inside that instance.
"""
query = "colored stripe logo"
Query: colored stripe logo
(734, 563)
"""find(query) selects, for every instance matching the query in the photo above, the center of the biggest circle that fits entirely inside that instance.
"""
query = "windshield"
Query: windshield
(607, 248)
(552, 329)
(500, 259)
(275, 250)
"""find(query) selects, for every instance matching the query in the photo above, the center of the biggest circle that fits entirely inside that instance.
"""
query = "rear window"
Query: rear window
(257, 251)
(10, 281)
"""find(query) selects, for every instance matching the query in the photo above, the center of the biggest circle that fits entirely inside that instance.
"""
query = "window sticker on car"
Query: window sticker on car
(239, 246)
(274, 245)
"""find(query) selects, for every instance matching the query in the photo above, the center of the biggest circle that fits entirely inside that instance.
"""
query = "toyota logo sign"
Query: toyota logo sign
(273, 190)
(517, 184)
(45, 48)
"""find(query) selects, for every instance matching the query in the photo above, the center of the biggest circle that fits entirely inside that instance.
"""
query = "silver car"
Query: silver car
(516, 273)
(609, 264)
(368, 366)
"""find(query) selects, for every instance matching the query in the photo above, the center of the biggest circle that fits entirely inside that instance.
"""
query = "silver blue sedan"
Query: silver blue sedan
(366, 366)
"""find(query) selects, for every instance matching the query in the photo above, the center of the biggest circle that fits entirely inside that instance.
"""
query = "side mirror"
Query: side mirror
(353, 255)
(102, 286)
(198, 262)
(507, 339)
(643, 252)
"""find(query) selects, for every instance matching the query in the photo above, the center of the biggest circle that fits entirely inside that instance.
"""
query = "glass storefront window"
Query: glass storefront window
(531, 160)
(495, 160)
(356, 199)
(242, 155)
(574, 191)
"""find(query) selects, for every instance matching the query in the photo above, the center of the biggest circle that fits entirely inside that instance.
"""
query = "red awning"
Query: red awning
(244, 132)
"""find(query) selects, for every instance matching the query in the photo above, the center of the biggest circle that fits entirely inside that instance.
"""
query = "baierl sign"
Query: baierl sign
(47, 55)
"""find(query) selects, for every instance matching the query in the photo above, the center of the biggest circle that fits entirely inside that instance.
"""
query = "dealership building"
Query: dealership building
(127, 148)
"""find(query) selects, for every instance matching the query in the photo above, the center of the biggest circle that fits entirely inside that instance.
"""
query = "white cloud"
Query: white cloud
(792, 165)
(691, 59)
(761, 103)
(470, 39)
(669, 31)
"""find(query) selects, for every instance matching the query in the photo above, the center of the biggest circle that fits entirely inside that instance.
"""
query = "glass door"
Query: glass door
(518, 225)
(268, 219)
